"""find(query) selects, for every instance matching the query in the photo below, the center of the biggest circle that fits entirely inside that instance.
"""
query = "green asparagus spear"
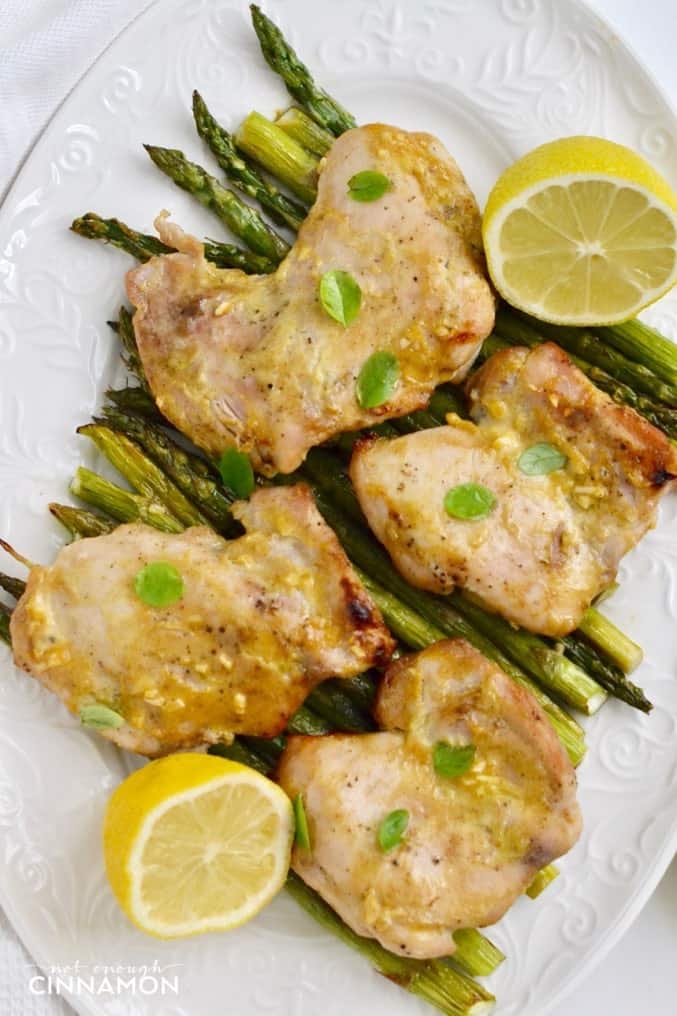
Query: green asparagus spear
(605, 671)
(280, 208)
(122, 504)
(606, 637)
(278, 153)
(543, 879)
(244, 221)
(306, 721)
(142, 473)
(329, 701)
(12, 585)
(143, 246)
(476, 954)
(124, 329)
(554, 670)
(136, 401)
(302, 128)
(643, 344)
(80, 523)
(191, 474)
(282, 59)
(5, 615)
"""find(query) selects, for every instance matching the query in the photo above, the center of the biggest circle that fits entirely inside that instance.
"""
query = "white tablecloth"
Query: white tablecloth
(45, 48)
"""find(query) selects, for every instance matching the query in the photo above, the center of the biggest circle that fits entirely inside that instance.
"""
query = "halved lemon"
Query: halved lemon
(196, 843)
(581, 231)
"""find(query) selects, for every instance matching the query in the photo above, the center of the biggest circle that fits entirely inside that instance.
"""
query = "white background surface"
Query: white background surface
(639, 973)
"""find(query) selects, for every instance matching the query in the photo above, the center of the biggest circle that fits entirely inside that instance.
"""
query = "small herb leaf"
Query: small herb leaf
(540, 459)
(368, 185)
(100, 717)
(302, 834)
(341, 296)
(451, 760)
(237, 473)
(392, 829)
(159, 584)
(469, 501)
(377, 379)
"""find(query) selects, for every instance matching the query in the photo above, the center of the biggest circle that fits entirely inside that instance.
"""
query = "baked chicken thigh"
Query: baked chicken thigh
(259, 362)
(261, 621)
(471, 842)
(549, 541)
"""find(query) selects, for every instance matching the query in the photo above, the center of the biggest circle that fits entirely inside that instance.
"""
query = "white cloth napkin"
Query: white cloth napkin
(45, 48)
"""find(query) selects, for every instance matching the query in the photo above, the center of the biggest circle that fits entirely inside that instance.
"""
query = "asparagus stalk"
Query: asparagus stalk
(448, 399)
(453, 615)
(141, 472)
(80, 523)
(611, 641)
(191, 474)
(124, 329)
(12, 585)
(440, 984)
(122, 504)
(557, 672)
(329, 701)
(422, 419)
(136, 401)
(278, 153)
(361, 689)
(306, 721)
(476, 953)
(242, 220)
(239, 752)
(282, 59)
(143, 246)
(245, 177)
(645, 345)
(302, 128)
(515, 326)
(5, 615)
(605, 671)
(543, 879)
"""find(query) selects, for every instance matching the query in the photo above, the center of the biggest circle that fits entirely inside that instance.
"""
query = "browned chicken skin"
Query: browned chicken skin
(262, 620)
(257, 361)
(552, 542)
(473, 842)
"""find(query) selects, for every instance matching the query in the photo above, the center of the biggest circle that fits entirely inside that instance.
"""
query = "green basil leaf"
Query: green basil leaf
(368, 185)
(377, 380)
(100, 717)
(392, 829)
(159, 584)
(302, 834)
(451, 760)
(469, 501)
(341, 296)
(540, 459)
(237, 473)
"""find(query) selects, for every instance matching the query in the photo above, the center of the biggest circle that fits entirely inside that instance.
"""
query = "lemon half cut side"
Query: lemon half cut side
(581, 231)
(196, 843)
